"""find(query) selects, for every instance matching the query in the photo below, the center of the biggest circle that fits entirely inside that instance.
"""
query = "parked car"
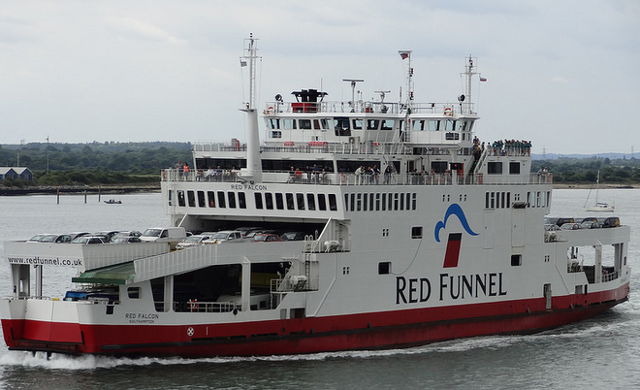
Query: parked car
(222, 236)
(293, 236)
(266, 237)
(246, 230)
(132, 233)
(75, 235)
(559, 220)
(108, 234)
(171, 235)
(194, 240)
(550, 227)
(252, 233)
(51, 238)
(85, 240)
(610, 222)
(125, 239)
(570, 226)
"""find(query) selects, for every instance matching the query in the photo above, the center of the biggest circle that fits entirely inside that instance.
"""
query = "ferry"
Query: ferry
(405, 229)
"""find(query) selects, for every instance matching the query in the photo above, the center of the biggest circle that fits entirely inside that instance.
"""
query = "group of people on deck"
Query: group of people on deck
(511, 147)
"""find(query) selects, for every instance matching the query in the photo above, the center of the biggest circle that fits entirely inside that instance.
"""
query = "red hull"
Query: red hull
(308, 335)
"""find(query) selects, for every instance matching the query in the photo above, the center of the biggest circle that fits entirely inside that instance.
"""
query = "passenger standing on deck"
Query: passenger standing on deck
(359, 173)
(387, 174)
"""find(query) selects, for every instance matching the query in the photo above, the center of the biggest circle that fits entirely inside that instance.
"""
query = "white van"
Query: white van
(172, 235)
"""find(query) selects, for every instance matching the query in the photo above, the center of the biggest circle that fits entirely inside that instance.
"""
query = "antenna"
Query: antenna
(250, 59)
(382, 95)
(353, 91)
(406, 54)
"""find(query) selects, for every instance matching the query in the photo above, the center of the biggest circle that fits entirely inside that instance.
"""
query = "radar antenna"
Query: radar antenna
(353, 91)
(382, 95)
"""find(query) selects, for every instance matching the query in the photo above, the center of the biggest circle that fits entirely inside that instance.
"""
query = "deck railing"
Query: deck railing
(352, 179)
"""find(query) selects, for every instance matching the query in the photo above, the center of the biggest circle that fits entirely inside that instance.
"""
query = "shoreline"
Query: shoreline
(79, 190)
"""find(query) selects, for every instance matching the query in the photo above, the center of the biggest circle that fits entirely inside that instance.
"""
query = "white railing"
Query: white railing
(352, 179)
(359, 106)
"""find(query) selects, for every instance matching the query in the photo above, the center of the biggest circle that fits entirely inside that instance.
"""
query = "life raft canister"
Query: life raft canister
(448, 111)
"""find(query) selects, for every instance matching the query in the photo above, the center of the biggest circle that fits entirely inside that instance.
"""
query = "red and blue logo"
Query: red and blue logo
(452, 253)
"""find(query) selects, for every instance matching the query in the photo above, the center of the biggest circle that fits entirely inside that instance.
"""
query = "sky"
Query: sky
(562, 74)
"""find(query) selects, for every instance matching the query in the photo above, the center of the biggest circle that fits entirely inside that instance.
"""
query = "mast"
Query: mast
(406, 55)
(254, 163)
(470, 70)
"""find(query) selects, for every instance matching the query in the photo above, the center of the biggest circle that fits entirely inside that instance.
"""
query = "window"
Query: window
(212, 198)
(516, 260)
(414, 201)
(358, 202)
(258, 199)
(268, 200)
(365, 202)
(352, 202)
(514, 168)
(384, 202)
(433, 125)
(133, 292)
(322, 202)
(201, 201)
(333, 206)
(401, 201)
(494, 168)
(274, 123)
(289, 124)
(305, 124)
(449, 124)
(416, 232)
(373, 124)
(276, 134)
(300, 201)
(242, 200)
(418, 125)
(387, 124)
(290, 204)
(170, 197)
(221, 200)
(279, 201)
(232, 199)
(395, 202)
(311, 204)
(358, 124)
(377, 202)
(384, 268)
(191, 198)
(385, 232)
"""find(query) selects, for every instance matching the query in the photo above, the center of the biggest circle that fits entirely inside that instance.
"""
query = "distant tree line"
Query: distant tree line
(585, 170)
(94, 163)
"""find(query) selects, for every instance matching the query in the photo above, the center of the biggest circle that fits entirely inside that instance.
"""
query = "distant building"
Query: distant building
(15, 173)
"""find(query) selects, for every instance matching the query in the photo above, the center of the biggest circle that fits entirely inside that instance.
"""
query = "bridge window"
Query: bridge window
(433, 125)
(358, 124)
(418, 125)
(387, 124)
(274, 123)
(212, 198)
(305, 124)
(289, 124)
(373, 124)
(449, 125)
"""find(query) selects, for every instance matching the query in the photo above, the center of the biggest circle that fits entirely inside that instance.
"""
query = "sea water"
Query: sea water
(603, 352)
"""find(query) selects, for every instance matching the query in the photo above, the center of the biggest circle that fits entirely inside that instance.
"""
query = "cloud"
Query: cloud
(139, 29)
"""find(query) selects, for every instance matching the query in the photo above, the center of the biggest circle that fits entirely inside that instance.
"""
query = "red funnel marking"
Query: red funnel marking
(453, 250)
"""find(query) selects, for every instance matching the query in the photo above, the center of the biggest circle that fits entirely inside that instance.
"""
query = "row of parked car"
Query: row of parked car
(172, 234)
(569, 223)
(254, 234)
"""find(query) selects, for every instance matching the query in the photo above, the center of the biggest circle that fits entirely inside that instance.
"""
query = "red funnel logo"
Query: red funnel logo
(452, 254)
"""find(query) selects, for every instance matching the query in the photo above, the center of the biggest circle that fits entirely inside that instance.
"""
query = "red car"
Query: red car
(266, 237)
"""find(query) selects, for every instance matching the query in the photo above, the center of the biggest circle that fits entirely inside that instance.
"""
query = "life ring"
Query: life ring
(268, 110)
(448, 111)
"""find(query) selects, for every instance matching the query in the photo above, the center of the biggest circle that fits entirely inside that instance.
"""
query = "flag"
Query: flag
(404, 54)
(483, 79)
(243, 63)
